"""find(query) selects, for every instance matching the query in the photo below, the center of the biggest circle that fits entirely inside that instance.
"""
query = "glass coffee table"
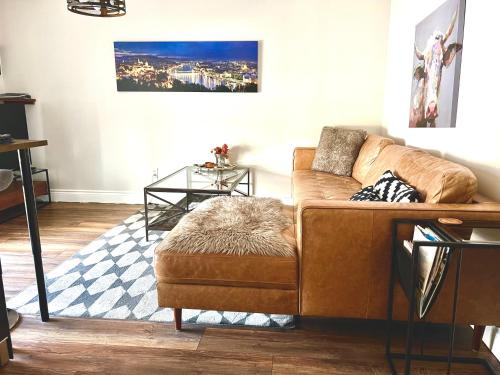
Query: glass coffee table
(195, 184)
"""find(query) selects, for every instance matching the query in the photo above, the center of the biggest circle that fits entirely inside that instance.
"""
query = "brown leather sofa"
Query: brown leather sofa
(344, 247)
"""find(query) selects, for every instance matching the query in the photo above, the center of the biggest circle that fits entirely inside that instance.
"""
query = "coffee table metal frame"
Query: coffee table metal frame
(154, 191)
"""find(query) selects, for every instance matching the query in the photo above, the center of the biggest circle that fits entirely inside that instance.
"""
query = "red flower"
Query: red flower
(221, 150)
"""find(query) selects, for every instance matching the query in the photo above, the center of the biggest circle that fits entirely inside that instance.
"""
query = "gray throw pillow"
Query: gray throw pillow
(338, 150)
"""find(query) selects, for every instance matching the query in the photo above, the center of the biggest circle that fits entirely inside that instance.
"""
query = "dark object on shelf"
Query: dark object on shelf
(194, 182)
(17, 98)
(14, 95)
(470, 236)
(13, 122)
(5, 138)
(101, 8)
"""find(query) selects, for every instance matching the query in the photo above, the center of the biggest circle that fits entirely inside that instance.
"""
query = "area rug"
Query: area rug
(113, 278)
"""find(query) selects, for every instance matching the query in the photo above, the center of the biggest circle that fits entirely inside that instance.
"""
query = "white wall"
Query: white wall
(475, 140)
(323, 62)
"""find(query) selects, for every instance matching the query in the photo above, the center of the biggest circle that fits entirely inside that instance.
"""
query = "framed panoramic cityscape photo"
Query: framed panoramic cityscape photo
(218, 66)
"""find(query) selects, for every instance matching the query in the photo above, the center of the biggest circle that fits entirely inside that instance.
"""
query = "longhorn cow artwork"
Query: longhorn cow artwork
(436, 70)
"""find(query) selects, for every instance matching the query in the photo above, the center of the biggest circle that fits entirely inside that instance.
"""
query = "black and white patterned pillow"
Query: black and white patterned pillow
(365, 194)
(391, 189)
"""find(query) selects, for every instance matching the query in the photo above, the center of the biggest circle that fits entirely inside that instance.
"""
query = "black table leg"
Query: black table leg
(4, 319)
(32, 217)
(390, 299)
(411, 311)
(188, 201)
(454, 312)
(146, 226)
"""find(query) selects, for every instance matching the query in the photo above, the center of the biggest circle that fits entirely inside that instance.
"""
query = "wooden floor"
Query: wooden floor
(86, 346)
(64, 229)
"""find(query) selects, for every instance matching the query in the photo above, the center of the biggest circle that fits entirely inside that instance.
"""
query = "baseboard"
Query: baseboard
(97, 196)
(108, 196)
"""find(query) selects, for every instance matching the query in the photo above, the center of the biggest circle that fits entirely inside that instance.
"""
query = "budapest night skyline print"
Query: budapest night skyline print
(222, 66)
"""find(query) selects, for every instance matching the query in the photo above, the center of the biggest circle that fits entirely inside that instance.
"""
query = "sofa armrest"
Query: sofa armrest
(303, 158)
(308, 204)
(345, 257)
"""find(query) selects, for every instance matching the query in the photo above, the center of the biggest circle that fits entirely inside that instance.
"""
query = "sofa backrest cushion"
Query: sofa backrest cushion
(437, 180)
(370, 150)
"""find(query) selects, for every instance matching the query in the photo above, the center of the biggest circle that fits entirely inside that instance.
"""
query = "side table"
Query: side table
(457, 238)
(22, 147)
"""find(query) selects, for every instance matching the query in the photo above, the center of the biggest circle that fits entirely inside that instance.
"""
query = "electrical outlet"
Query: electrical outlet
(155, 175)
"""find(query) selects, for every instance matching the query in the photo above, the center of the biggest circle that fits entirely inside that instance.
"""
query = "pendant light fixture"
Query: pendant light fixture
(98, 8)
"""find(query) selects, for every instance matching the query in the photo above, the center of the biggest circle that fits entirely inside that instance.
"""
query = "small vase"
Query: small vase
(220, 160)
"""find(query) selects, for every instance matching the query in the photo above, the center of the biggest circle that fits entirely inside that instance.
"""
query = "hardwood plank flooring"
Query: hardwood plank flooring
(91, 346)
(64, 229)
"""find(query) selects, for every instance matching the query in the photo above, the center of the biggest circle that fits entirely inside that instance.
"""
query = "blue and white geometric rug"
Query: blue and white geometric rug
(113, 278)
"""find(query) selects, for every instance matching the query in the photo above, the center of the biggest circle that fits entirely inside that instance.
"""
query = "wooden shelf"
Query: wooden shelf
(17, 101)
(21, 144)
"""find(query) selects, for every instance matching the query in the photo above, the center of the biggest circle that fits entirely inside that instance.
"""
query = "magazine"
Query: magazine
(431, 267)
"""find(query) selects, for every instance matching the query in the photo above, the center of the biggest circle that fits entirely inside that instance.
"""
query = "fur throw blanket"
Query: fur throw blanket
(232, 226)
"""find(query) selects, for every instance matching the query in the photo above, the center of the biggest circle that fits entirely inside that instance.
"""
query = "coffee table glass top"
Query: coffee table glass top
(200, 180)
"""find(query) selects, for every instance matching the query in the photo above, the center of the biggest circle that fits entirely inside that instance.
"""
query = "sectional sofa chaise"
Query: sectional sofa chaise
(343, 248)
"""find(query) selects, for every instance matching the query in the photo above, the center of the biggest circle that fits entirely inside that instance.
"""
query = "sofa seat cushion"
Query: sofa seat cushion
(253, 271)
(321, 185)
(256, 271)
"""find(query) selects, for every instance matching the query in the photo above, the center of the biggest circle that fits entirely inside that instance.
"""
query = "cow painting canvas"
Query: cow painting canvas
(436, 67)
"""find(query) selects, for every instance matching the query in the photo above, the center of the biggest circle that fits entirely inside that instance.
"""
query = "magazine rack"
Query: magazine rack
(408, 273)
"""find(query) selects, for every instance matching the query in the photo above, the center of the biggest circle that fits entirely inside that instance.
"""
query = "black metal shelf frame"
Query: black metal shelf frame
(456, 247)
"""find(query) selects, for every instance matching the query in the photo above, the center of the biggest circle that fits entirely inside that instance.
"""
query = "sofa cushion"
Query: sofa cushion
(338, 150)
(437, 180)
(218, 269)
(371, 149)
(321, 185)
(256, 271)
(228, 270)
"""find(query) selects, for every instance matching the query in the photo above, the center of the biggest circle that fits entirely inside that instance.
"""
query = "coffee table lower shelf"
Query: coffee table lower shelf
(169, 212)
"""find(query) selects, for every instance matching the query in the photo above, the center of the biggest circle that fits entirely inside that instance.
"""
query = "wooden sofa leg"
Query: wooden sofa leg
(477, 339)
(178, 319)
